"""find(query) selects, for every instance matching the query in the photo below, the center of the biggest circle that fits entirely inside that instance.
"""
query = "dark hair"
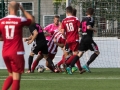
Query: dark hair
(90, 11)
(74, 12)
(69, 9)
(56, 16)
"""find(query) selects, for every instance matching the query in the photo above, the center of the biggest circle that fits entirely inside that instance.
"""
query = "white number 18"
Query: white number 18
(70, 27)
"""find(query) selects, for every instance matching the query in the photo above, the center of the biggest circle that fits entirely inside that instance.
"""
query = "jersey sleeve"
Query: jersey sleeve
(90, 22)
(25, 22)
(48, 27)
(32, 28)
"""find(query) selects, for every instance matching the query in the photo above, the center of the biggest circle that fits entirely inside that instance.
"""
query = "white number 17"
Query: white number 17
(10, 34)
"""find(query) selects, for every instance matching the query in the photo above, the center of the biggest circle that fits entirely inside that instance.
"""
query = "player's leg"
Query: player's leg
(16, 81)
(93, 47)
(93, 57)
(36, 61)
(8, 81)
(75, 57)
(60, 63)
(51, 56)
(44, 50)
(30, 61)
(17, 70)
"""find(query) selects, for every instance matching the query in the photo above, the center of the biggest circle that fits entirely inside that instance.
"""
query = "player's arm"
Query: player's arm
(26, 14)
(27, 39)
(34, 35)
(89, 23)
(90, 28)
(46, 30)
(59, 44)
(1, 38)
(46, 33)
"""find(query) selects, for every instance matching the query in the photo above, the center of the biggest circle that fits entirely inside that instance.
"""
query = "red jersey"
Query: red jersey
(11, 30)
(52, 47)
(71, 25)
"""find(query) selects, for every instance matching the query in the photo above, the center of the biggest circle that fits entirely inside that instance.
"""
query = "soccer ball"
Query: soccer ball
(40, 68)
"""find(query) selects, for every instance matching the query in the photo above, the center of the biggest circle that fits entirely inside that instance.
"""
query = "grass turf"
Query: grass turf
(99, 79)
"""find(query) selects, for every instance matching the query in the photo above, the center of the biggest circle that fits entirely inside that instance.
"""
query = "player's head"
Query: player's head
(69, 10)
(56, 20)
(74, 12)
(90, 11)
(13, 7)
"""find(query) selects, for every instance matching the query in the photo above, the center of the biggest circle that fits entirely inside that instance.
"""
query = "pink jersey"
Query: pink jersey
(50, 28)
(71, 25)
(11, 30)
(52, 47)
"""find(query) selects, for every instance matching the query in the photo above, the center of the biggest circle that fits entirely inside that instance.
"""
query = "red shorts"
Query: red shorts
(14, 63)
(73, 46)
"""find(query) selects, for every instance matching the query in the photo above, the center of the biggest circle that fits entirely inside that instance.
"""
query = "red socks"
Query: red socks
(70, 59)
(7, 83)
(15, 85)
(35, 63)
(79, 65)
(61, 61)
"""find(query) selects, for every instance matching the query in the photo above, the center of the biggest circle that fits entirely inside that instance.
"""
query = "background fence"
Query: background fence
(107, 23)
(107, 13)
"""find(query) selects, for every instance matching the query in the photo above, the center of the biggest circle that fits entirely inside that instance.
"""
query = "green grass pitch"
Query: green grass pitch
(99, 79)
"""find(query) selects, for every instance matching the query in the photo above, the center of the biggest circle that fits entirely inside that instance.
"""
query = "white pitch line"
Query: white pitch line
(90, 78)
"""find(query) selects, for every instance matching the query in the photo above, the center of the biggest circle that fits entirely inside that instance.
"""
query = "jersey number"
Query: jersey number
(84, 27)
(70, 27)
(10, 29)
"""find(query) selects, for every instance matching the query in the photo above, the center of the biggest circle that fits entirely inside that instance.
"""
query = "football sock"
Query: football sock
(92, 58)
(51, 68)
(7, 83)
(79, 65)
(76, 58)
(30, 60)
(50, 62)
(68, 62)
(61, 61)
(15, 85)
(35, 63)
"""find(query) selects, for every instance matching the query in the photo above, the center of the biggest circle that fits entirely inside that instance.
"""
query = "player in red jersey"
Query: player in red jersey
(13, 49)
(67, 57)
(87, 42)
(56, 40)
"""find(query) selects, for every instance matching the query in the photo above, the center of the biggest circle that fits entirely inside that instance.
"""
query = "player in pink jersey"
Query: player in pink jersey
(13, 50)
(56, 40)
(49, 29)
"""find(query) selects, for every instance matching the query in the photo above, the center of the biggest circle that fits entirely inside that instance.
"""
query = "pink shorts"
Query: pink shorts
(14, 63)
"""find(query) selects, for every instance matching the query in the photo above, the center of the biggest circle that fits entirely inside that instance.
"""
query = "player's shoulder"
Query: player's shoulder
(51, 24)
(22, 19)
